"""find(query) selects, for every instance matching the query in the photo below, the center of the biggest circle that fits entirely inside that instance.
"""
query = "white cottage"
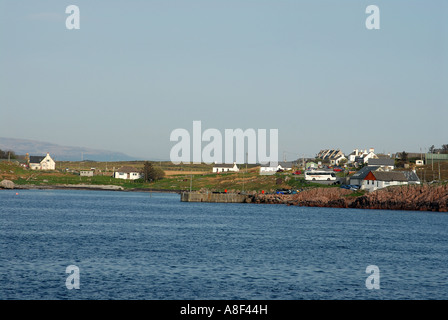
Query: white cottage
(41, 162)
(381, 179)
(362, 156)
(224, 167)
(86, 173)
(128, 173)
(272, 168)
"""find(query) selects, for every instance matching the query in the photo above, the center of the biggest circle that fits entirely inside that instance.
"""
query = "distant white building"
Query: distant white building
(128, 173)
(86, 173)
(335, 156)
(362, 156)
(41, 162)
(272, 168)
(388, 164)
(225, 167)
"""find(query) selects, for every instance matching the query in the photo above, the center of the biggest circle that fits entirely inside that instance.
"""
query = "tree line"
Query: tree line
(8, 154)
(443, 149)
(151, 172)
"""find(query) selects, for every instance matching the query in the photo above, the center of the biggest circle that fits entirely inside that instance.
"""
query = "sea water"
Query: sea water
(152, 246)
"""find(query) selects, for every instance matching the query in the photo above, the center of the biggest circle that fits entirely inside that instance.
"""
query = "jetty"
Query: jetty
(215, 197)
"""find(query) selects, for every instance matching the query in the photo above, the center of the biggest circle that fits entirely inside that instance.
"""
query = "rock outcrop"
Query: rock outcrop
(423, 198)
(410, 197)
(7, 184)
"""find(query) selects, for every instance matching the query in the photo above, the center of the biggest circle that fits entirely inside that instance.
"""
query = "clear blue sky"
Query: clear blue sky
(136, 70)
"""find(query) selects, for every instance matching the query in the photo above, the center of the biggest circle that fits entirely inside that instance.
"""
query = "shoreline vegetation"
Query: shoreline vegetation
(258, 188)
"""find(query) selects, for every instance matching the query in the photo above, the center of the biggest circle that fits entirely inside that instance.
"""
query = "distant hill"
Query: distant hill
(60, 153)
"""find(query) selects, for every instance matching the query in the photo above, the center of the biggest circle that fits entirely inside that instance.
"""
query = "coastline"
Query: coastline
(410, 197)
(88, 187)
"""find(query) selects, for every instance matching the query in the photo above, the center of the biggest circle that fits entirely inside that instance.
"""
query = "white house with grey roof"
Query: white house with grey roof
(272, 168)
(41, 162)
(358, 177)
(225, 167)
(382, 162)
(381, 179)
(362, 156)
(128, 173)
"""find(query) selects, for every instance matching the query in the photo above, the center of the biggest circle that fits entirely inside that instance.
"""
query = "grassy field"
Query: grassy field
(182, 177)
(195, 177)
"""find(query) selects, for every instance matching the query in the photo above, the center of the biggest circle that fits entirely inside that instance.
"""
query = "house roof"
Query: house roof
(390, 176)
(411, 176)
(362, 173)
(286, 164)
(128, 169)
(330, 154)
(36, 159)
(381, 162)
(283, 164)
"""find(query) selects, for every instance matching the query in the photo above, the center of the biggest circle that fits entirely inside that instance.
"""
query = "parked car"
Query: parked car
(285, 191)
(337, 169)
(350, 186)
(297, 172)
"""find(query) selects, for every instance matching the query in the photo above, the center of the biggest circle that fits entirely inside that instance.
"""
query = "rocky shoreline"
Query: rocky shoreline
(410, 197)
(415, 198)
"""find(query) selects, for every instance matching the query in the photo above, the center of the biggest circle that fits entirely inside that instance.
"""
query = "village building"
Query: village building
(362, 156)
(334, 156)
(375, 180)
(411, 176)
(128, 173)
(86, 173)
(272, 168)
(225, 167)
(41, 162)
(435, 157)
(387, 164)
(358, 177)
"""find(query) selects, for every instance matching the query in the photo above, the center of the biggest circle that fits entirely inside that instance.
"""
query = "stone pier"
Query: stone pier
(214, 197)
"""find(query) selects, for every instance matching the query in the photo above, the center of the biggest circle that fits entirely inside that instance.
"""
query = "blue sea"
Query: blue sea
(151, 246)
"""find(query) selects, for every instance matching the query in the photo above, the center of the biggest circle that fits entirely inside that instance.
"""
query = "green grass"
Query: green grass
(235, 181)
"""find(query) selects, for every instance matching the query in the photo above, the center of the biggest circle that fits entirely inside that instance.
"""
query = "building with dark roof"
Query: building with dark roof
(272, 168)
(41, 162)
(358, 177)
(382, 162)
(381, 179)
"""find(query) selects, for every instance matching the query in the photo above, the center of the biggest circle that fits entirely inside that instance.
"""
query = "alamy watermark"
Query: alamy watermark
(373, 280)
(373, 21)
(188, 148)
(73, 20)
(72, 281)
